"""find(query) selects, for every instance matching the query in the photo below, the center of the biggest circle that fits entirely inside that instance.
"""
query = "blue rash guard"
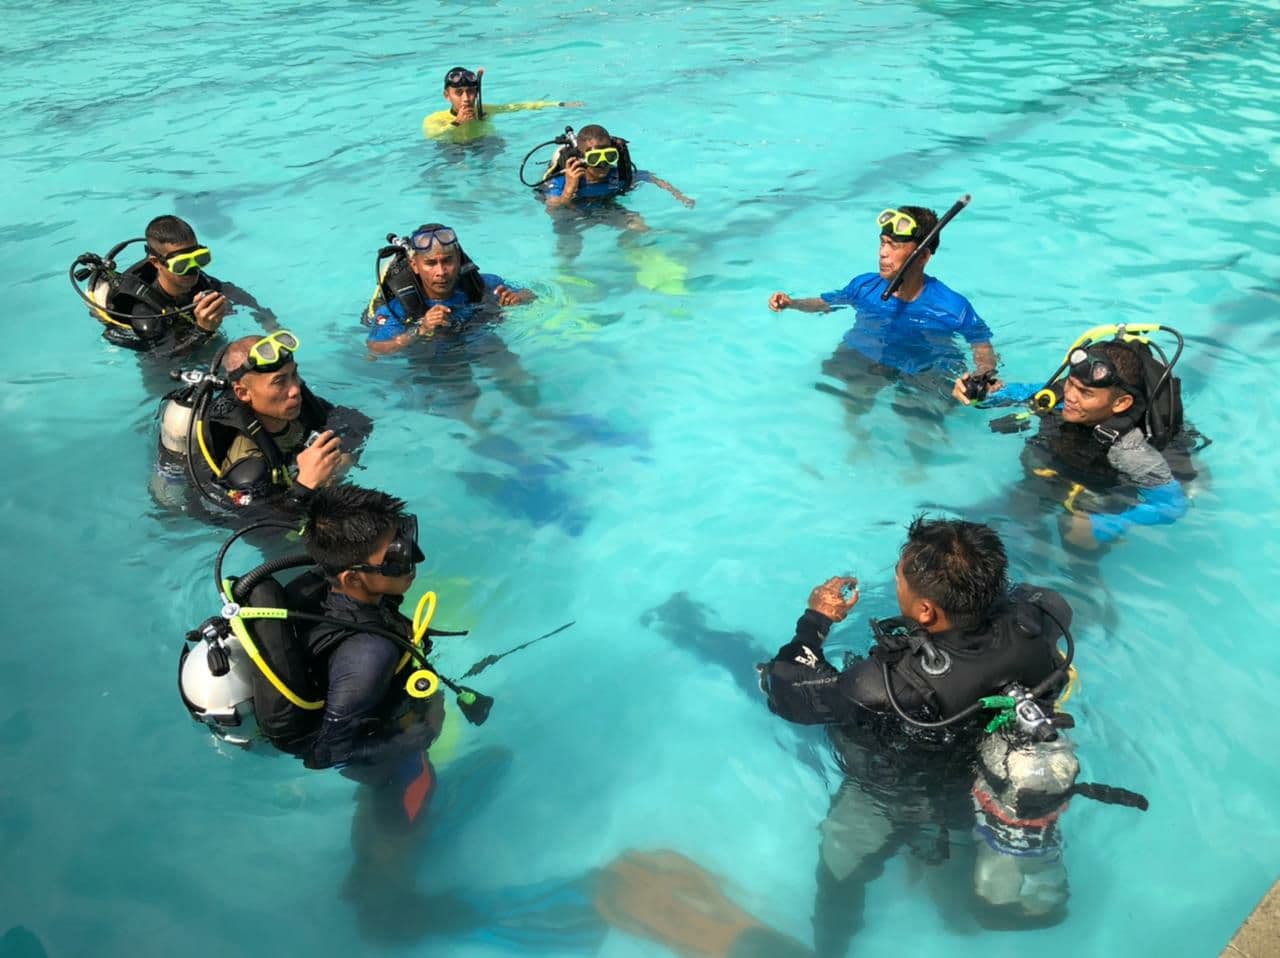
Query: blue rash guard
(604, 190)
(390, 321)
(1161, 499)
(910, 337)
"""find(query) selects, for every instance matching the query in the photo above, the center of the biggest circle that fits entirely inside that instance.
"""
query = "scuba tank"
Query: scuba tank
(397, 280)
(215, 680)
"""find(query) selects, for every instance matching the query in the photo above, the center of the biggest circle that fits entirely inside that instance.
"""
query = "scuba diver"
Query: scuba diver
(587, 170)
(327, 668)
(467, 118)
(248, 431)
(1111, 441)
(908, 727)
(165, 303)
(432, 296)
(905, 324)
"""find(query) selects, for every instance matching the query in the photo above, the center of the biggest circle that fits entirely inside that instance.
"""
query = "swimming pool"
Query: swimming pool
(1122, 159)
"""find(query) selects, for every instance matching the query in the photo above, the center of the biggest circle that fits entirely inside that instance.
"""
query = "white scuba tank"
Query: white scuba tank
(222, 702)
(175, 422)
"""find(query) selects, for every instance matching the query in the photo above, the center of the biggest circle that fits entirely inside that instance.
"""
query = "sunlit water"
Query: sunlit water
(1122, 159)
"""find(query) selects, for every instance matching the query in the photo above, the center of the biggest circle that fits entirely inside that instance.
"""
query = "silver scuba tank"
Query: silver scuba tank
(223, 702)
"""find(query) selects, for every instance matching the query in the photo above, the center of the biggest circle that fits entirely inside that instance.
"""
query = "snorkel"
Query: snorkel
(923, 245)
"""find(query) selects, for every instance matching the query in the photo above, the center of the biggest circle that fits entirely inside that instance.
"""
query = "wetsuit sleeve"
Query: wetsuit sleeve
(554, 186)
(361, 669)
(492, 281)
(242, 297)
(642, 176)
(517, 107)
(437, 123)
(1160, 497)
(388, 322)
(1011, 394)
(800, 684)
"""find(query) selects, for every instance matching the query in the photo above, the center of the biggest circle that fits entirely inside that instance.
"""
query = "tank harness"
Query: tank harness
(104, 285)
(566, 145)
(258, 645)
(397, 282)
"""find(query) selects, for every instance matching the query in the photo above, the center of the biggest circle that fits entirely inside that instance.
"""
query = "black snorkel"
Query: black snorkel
(479, 94)
(923, 245)
(567, 138)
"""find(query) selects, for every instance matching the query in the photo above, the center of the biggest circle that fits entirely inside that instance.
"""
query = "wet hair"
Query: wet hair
(959, 566)
(594, 132)
(169, 231)
(469, 279)
(926, 219)
(1127, 365)
(345, 523)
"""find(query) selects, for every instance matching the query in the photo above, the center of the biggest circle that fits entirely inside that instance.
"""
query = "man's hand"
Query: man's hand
(829, 598)
(779, 301)
(959, 391)
(466, 113)
(1078, 531)
(209, 308)
(436, 317)
(574, 171)
(508, 297)
(320, 460)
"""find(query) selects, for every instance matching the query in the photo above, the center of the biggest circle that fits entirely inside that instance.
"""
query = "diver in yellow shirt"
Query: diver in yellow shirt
(467, 118)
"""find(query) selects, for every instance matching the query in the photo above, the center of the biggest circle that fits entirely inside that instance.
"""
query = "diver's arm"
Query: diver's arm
(242, 297)
(1159, 505)
(815, 304)
(663, 184)
(529, 105)
(984, 357)
(1010, 394)
(385, 347)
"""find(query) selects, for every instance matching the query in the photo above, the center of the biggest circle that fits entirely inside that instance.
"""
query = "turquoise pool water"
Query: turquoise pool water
(1122, 159)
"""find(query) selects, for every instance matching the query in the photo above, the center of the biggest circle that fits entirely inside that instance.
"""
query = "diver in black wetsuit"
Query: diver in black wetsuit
(906, 718)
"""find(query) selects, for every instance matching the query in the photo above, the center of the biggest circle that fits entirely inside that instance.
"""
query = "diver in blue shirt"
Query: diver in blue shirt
(433, 297)
(1111, 440)
(909, 336)
(591, 169)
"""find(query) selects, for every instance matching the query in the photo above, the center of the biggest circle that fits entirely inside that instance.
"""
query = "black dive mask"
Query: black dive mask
(402, 554)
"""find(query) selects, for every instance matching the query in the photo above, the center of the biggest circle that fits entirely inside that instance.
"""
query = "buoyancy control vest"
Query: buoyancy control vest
(250, 677)
(397, 281)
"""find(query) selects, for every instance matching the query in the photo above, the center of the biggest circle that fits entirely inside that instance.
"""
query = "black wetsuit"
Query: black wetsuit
(370, 724)
(905, 786)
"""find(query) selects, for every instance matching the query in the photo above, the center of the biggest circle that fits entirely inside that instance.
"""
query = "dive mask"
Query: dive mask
(460, 77)
(268, 354)
(897, 224)
(402, 554)
(186, 260)
(1095, 370)
(604, 156)
(426, 237)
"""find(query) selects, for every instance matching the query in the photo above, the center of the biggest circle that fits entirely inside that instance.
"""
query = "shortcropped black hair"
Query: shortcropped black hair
(594, 132)
(959, 566)
(1127, 365)
(169, 231)
(926, 219)
(345, 524)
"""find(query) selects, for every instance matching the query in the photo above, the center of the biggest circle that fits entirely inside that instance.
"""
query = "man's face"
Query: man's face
(893, 253)
(1088, 406)
(169, 279)
(276, 395)
(596, 174)
(460, 97)
(438, 269)
(385, 584)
